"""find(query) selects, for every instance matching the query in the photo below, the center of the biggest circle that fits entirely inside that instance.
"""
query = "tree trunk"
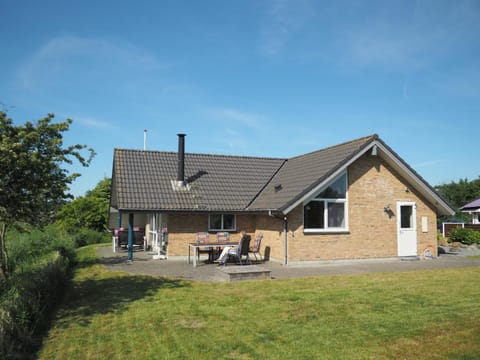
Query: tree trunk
(3, 252)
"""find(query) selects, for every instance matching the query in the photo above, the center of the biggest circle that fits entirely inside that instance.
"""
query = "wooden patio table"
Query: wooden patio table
(196, 246)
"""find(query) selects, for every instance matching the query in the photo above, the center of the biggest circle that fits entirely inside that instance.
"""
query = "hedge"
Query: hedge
(27, 303)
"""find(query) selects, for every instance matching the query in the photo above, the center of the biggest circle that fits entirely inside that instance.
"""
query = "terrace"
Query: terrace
(178, 267)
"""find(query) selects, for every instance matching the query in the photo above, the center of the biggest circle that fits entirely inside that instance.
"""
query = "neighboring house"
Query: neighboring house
(355, 200)
(472, 208)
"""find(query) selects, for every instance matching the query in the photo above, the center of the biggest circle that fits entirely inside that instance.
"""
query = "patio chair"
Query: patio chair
(255, 249)
(202, 239)
(222, 238)
(242, 250)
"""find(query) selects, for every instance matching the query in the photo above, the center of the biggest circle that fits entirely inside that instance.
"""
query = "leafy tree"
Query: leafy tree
(459, 194)
(33, 181)
(89, 211)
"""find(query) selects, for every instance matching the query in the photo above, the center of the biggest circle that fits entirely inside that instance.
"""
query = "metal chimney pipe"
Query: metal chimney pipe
(181, 159)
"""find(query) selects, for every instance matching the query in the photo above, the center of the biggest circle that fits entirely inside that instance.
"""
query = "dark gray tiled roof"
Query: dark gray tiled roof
(142, 181)
(301, 174)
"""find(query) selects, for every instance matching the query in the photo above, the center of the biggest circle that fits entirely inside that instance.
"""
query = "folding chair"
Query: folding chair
(255, 249)
(202, 239)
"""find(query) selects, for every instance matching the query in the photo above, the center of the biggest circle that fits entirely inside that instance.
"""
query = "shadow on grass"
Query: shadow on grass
(111, 294)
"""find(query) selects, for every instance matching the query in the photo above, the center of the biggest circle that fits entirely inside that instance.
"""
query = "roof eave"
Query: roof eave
(329, 177)
(421, 185)
(442, 207)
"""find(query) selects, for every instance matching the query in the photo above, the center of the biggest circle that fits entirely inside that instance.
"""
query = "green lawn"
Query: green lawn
(411, 315)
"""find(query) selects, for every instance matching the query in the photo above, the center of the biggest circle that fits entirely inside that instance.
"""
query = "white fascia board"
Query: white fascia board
(329, 179)
(396, 163)
(419, 184)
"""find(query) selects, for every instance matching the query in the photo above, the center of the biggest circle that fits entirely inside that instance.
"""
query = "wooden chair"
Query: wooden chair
(202, 239)
(255, 249)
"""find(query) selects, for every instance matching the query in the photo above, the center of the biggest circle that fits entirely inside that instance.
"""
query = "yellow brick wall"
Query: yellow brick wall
(372, 232)
(182, 229)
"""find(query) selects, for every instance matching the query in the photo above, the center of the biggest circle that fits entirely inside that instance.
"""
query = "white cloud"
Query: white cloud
(409, 36)
(283, 19)
(428, 163)
(238, 130)
(66, 57)
(92, 122)
(237, 117)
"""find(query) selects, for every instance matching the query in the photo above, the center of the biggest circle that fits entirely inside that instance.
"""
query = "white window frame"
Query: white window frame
(222, 226)
(327, 201)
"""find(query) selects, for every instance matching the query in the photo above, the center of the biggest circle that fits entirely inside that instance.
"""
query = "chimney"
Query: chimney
(181, 160)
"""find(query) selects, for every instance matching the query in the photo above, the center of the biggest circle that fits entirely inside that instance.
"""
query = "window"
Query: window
(221, 222)
(328, 210)
(406, 217)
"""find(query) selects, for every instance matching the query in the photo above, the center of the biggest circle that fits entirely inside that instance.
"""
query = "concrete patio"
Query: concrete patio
(143, 264)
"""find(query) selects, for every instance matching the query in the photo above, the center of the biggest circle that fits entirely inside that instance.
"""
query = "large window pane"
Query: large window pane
(314, 215)
(228, 222)
(221, 222)
(337, 190)
(216, 221)
(336, 215)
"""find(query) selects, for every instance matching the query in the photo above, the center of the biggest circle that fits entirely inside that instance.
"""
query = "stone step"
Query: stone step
(243, 272)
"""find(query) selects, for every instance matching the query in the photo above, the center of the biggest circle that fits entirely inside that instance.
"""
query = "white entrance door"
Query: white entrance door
(407, 229)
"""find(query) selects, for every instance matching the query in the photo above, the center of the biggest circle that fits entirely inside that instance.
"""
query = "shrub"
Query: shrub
(84, 237)
(25, 307)
(31, 244)
(464, 236)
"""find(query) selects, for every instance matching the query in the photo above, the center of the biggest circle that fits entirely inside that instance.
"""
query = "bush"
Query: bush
(31, 244)
(84, 237)
(26, 305)
(464, 236)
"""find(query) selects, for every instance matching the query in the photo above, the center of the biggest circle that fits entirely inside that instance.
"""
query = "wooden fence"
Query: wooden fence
(447, 227)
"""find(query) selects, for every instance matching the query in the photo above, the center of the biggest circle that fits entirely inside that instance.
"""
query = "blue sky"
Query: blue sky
(256, 78)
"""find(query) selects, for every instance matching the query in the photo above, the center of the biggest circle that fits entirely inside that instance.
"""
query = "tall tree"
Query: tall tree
(89, 211)
(33, 180)
(461, 193)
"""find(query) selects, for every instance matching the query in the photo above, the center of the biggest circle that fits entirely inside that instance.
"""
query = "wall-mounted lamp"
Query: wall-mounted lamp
(388, 210)
(374, 150)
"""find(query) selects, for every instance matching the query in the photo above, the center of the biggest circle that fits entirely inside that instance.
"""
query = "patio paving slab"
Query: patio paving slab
(177, 267)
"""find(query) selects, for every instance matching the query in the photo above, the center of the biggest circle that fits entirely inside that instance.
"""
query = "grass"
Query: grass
(410, 315)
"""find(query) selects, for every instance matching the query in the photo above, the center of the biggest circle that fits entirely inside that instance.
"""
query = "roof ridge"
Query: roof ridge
(204, 154)
(371, 137)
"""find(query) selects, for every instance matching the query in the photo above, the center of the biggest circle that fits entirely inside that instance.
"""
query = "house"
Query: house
(355, 200)
(472, 208)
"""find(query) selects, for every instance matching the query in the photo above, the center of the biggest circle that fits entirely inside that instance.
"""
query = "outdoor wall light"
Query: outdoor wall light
(387, 209)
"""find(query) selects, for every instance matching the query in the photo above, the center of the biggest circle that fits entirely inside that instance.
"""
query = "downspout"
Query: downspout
(285, 240)
(285, 234)
(130, 237)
